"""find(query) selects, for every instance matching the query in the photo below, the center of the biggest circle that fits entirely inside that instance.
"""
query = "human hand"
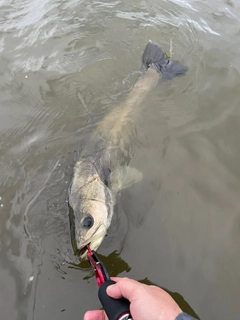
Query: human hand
(146, 302)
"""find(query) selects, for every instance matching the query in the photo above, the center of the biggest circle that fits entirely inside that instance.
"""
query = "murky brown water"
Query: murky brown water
(63, 66)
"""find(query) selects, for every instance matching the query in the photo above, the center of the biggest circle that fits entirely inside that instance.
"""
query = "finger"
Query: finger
(95, 315)
(124, 287)
(116, 279)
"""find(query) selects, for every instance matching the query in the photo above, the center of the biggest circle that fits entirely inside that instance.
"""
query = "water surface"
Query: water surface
(63, 66)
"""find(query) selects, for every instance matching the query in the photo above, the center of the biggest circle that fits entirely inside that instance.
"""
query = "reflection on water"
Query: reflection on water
(63, 67)
(176, 296)
(114, 264)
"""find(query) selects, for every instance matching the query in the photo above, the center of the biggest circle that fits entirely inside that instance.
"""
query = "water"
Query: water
(63, 66)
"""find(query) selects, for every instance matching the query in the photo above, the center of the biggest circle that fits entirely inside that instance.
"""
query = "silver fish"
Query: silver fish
(102, 171)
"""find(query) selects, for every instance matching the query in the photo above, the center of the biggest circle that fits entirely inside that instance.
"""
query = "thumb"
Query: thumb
(124, 287)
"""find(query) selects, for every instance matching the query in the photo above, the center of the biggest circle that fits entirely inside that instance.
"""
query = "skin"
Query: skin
(146, 302)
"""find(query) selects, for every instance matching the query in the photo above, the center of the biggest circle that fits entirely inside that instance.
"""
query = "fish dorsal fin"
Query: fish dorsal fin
(125, 177)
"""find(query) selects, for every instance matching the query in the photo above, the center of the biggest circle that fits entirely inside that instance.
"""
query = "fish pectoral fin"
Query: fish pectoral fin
(125, 177)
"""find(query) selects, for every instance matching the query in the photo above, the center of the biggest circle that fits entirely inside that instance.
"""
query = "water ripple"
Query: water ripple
(66, 64)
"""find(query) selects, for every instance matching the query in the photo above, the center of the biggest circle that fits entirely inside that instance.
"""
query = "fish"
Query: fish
(102, 170)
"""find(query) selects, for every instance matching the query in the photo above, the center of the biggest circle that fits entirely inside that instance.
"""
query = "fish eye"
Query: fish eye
(87, 222)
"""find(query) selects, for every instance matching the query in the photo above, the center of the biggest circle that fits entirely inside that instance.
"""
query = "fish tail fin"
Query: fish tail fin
(153, 57)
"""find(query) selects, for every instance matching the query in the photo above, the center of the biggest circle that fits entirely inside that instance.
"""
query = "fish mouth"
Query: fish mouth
(93, 244)
(82, 253)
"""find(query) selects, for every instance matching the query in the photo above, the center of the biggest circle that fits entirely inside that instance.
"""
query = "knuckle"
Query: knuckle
(124, 279)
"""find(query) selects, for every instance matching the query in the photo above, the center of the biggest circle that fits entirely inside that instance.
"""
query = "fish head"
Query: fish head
(90, 209)
(89, 224)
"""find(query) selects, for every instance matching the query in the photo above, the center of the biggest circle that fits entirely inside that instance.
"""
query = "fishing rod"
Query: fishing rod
(116, 309)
